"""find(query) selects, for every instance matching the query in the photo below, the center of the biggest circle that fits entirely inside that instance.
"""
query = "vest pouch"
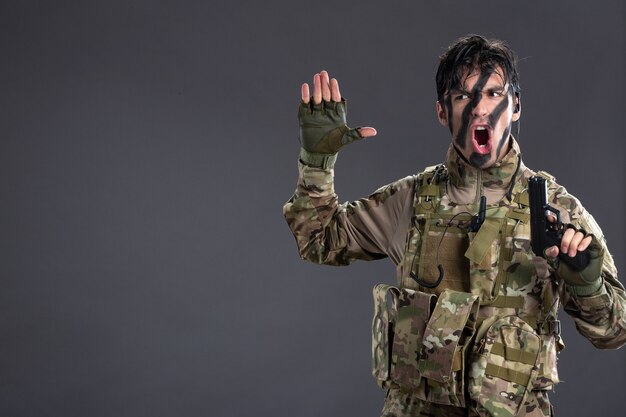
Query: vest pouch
(400, 318)
(435, 242)
(444, 344)
(414, 308)
(504, 366)
(548, 375)
(483, 254)
(385, 301)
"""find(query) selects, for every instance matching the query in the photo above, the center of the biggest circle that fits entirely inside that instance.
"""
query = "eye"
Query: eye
(460, 97)
(495, 93)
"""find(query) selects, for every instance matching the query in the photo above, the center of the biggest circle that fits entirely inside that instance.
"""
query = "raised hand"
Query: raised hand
(323, 128)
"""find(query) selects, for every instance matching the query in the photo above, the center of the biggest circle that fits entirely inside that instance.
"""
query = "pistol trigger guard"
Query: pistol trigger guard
(557, 226)
(557, 214)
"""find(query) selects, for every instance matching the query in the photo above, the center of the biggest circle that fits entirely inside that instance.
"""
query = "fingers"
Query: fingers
(317, 89)
(585, 243)
(574, 241)
(334, 90)
(325, 82)
(304, 92)
(323, 89)
(573, 244)
(367, 132)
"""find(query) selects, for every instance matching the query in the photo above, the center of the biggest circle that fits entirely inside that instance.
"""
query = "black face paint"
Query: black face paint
(504, 140)
(479, 159)
(497, 111)
(476, 97)
(493, 119)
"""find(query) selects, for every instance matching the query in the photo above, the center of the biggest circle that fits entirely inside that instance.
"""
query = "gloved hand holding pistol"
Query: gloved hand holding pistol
(586, 281)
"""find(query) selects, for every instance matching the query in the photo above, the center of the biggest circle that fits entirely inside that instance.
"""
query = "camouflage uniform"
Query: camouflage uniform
(484, 341)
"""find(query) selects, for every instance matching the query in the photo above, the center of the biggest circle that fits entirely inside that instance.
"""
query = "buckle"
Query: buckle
(550, 326)
(441, 173)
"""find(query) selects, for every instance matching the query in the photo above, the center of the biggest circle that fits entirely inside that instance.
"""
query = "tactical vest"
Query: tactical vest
(490, 323)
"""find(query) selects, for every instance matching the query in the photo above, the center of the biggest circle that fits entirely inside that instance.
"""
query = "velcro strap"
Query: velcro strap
(443, 331)
(517, 214)
(457, 362)
(507, 253)
(513, 354)
(546, 175)
(507, 301)
(507, 374)
(522, 198)
(549, 327)
(484, 238)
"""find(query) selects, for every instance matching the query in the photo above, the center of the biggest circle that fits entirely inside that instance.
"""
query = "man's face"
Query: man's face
(479, 114)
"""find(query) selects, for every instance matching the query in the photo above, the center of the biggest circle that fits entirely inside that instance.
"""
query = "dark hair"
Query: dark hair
(475, 52)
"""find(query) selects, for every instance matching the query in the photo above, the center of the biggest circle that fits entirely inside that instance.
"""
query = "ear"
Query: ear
(517, 108)
(441, 114)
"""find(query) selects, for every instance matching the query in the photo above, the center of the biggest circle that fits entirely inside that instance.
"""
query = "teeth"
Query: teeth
(481, 128)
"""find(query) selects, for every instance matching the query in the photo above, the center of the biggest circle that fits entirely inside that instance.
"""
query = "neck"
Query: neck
(468, 183)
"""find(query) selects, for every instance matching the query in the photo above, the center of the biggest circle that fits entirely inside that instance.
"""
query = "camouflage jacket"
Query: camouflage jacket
(420, 224)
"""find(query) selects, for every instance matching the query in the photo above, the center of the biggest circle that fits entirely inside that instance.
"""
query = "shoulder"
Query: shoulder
(408, 184)
(557, 194)
(561, 198)
(569, 205)
(398, 188)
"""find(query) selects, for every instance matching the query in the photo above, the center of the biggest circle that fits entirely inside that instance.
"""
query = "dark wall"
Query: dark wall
(146, 149)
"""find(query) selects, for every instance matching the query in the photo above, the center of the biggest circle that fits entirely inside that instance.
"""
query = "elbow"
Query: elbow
(312, 253)
(614, 339)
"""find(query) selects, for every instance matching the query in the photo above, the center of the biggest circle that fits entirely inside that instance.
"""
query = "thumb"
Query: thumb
(367, 132)
(551, 252)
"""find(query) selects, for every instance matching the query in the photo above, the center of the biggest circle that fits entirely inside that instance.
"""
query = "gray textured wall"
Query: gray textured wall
(147, 147)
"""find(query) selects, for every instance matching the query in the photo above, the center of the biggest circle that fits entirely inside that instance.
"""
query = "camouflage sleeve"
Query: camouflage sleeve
(601, 317)
(337, 234)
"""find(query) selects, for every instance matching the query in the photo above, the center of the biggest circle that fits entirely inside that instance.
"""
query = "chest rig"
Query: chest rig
(441, 336)
(494, 262)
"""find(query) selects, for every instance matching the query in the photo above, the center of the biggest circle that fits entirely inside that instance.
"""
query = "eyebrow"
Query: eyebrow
(497, 87)
(458, 90)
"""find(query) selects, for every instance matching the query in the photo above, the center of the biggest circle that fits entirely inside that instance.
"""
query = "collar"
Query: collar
(467, 183)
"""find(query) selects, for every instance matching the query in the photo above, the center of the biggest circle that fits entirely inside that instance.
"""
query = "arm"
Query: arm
(325, 231)
(329, 233)
(601, 315)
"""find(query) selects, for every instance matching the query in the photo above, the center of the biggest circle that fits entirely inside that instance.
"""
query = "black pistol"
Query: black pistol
(544, 234)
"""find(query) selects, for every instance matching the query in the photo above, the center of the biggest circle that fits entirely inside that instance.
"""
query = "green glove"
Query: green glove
(323, 131)
(589, 280)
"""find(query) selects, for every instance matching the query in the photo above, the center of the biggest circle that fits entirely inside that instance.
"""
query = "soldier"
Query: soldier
(472, 329)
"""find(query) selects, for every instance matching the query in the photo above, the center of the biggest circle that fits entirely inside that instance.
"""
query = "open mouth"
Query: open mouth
(481, 136)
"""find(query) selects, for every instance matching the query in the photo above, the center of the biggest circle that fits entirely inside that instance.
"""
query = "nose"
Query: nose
(480, 109)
